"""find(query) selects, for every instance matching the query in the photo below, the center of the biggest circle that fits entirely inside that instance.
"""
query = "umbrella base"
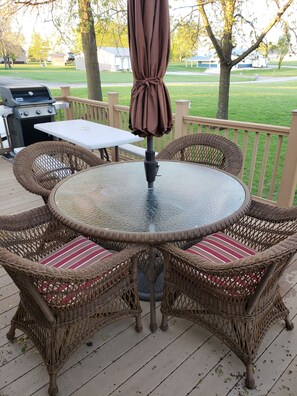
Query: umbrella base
(144, 286)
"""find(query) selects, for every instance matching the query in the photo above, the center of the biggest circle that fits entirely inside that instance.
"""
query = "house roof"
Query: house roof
(207, 58)
(57, 55)
(117, 51)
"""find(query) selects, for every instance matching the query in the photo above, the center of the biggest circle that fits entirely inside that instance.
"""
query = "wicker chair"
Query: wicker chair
(40, 166)
(239, 300)
(207, 149)
(62, 308)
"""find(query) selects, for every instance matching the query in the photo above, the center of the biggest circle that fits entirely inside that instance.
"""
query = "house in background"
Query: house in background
(211, 60)
(57, 59)
(206, 61)
(259, 61)
(109, 58)
(255, 59)
(20, 55)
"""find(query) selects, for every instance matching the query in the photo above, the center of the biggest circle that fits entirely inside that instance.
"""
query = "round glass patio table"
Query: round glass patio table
(113, 202)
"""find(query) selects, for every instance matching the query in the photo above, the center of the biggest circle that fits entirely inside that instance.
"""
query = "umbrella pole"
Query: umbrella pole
(151, 166)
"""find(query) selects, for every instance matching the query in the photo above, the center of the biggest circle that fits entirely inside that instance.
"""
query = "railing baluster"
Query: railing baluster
(244, 150)
(264, 165)
(275, 167)
(235, 136)
(253, 163)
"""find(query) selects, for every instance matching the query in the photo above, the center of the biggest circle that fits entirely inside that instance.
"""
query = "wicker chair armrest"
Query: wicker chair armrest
(24, 220)
(264, 225)
(272, 213)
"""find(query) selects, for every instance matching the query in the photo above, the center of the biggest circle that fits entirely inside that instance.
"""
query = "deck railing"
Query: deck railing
(269, 151)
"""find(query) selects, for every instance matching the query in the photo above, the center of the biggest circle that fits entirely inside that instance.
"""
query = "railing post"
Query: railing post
(65, 91)
(113, 99)
(289, 176)
(182, 109)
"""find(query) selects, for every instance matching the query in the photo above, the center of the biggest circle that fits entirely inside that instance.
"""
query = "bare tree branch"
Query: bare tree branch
(272, 23)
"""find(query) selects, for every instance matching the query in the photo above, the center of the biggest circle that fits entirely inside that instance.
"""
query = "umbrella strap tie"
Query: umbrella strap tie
(140, 85)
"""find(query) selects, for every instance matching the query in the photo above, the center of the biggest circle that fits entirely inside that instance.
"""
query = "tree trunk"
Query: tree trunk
(224, 87)
(90, 50)
(6, 61)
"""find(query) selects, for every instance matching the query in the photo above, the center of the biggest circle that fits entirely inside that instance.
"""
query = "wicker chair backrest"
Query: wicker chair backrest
(40, 166)
(207, 149)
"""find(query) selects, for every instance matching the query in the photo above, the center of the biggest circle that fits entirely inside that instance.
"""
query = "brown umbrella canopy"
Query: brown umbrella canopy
(149, 42)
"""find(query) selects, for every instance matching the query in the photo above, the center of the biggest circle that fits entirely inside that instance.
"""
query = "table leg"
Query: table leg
(7, 131)
(152, 279)
(115, 154)
(104, 154)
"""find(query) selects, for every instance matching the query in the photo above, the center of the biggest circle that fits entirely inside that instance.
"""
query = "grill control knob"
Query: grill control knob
(49, 110)
(26, 113)
(38, 112)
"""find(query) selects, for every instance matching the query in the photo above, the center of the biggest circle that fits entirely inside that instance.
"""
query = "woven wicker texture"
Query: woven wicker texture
(238, 301)
(60, 309)
(207, 149)
(40, 166)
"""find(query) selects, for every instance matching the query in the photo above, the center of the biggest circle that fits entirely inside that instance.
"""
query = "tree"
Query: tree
(39, 48)
(111, 33)
(281, 48)
(10, 42)
(87, 30)
(110, 12)
(184, 40)
(9, 48)
(223, 21)
(83, 10)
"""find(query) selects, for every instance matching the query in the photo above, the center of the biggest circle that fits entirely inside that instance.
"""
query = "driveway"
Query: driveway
(17, 81)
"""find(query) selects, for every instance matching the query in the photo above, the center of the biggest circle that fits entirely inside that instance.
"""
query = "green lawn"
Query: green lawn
(270, 103)
(68, 74)
(263, 103)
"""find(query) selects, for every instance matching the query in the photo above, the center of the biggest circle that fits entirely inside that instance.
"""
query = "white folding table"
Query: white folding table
(90, 135)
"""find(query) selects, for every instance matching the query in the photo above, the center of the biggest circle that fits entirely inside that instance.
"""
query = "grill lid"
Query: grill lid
(24, 96)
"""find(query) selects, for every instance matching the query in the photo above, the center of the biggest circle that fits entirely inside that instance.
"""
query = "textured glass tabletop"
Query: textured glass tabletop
(113, 200)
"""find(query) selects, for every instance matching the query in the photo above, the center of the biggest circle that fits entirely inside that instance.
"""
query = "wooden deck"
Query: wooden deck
(185, 360)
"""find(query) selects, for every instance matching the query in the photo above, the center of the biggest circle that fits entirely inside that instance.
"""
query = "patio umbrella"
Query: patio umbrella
(149, 42)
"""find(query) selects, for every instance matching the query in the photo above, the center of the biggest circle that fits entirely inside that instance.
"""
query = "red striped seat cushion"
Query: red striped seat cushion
(220, 248)
(78, 253)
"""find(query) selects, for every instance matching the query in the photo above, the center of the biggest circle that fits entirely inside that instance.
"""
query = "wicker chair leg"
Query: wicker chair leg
(138, 325)
(11, 333)
(250, 380)
(53, 388)
(164, 324)
(289, 323)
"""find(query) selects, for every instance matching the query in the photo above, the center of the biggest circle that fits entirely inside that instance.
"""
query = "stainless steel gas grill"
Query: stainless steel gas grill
(29, 105)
